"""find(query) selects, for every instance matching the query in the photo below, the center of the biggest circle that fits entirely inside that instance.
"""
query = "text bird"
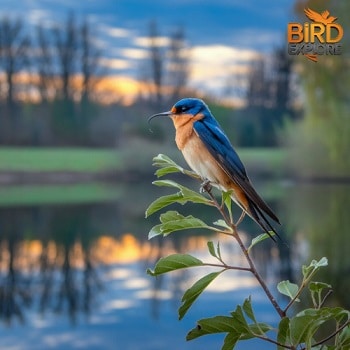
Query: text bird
(209, 153)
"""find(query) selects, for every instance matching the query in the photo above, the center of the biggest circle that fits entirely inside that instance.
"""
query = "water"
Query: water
(73, 266)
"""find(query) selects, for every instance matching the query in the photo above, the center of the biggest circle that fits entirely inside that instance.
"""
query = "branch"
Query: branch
(252, 268)
(273, 341)
(291, 302)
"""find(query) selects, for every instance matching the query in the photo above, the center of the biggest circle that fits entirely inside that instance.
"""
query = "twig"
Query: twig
(273, 341)
(227, 267)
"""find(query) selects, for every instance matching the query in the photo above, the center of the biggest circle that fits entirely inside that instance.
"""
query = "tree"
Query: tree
(269, 101)
(156, 63)
(178, 65)
(319, 143)
(14, 53)
(45, 65)
(90, 57)
(66, 51)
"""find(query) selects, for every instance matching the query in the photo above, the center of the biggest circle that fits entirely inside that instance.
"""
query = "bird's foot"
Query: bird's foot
(205, 186)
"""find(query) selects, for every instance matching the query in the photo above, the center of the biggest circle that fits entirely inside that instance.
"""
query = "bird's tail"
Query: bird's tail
(258, 215)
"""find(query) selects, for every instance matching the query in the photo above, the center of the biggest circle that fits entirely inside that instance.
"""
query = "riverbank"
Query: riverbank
(80, 165)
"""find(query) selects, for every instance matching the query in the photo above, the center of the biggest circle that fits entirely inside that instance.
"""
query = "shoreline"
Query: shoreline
(10, 178)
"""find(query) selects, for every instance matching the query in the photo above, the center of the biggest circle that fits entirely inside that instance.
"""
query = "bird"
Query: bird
(210, 154)
(322, 17)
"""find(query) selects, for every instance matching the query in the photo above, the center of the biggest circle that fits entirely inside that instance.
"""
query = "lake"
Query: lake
(74, 258)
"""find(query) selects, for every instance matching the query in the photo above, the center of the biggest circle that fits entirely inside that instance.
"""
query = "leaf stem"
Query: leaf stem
(228, 267)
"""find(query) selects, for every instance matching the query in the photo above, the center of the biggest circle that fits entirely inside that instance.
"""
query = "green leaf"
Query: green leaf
(218, 250)
(211, 249)
(307, 322)
(303, 329)
(248, 309)
(259, 239)
(164, 201)
(169, 216)
(155, 231)
(300, 329)
(318, 286)
(185, 195)
(240, 321)
(230, 341)
(344, 338)
(283, 336)
(309, 271)
(188, 194)
(168, 166)
(289, 289)
(174, 262)
(223, 224)
(172, 221)
(216, 324)
(257, 329)
(227, 200)
(195, 291)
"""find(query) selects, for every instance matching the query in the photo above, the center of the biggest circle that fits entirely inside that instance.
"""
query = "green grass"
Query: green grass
(58, 159)
(266, 161)
(57, 194)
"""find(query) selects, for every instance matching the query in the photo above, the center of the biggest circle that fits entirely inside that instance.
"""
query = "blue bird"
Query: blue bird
(209, 153)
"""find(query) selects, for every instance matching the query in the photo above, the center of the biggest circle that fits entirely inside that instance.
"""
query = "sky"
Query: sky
(223, 35)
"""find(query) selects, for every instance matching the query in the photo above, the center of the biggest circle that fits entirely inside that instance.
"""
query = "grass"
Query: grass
(267, 162)
(57, 194)
(58, 159)
(263, 161)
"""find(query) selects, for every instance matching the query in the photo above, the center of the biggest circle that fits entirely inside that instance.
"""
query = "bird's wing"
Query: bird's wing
(313, 15)
(325, 14)
(221, 149)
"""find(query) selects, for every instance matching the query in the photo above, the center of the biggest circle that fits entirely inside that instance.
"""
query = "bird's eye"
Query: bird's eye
(184, 109)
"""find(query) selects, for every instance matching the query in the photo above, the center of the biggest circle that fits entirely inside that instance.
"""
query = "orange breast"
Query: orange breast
(201, 161)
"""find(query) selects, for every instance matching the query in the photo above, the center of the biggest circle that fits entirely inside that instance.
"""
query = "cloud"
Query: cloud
(114, 63)
(161, 41)
(212, 65)
(115, 32)
(132, 53)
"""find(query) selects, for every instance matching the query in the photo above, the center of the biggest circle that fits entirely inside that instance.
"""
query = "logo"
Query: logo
(321, 36)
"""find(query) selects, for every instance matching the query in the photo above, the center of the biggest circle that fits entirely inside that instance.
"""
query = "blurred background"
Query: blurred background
(78, 81)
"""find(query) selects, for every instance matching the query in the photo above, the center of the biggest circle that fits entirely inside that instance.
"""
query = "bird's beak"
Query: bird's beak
(163, 114)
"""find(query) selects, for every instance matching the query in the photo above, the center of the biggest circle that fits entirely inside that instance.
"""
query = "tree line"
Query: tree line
(48, 93)
(48, 81)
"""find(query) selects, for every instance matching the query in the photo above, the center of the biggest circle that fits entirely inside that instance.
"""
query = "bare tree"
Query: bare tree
(45, 65)
(90, 57)
(178, 65)
(269, 84)
(14, 53)
(282, 80)
(258, 87)
(66, 45)
(156, 62)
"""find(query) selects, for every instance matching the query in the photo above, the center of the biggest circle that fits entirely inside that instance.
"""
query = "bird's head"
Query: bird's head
(187, 108)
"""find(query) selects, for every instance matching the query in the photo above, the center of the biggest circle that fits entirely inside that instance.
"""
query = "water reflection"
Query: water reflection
(319, 216)
(84, 264)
